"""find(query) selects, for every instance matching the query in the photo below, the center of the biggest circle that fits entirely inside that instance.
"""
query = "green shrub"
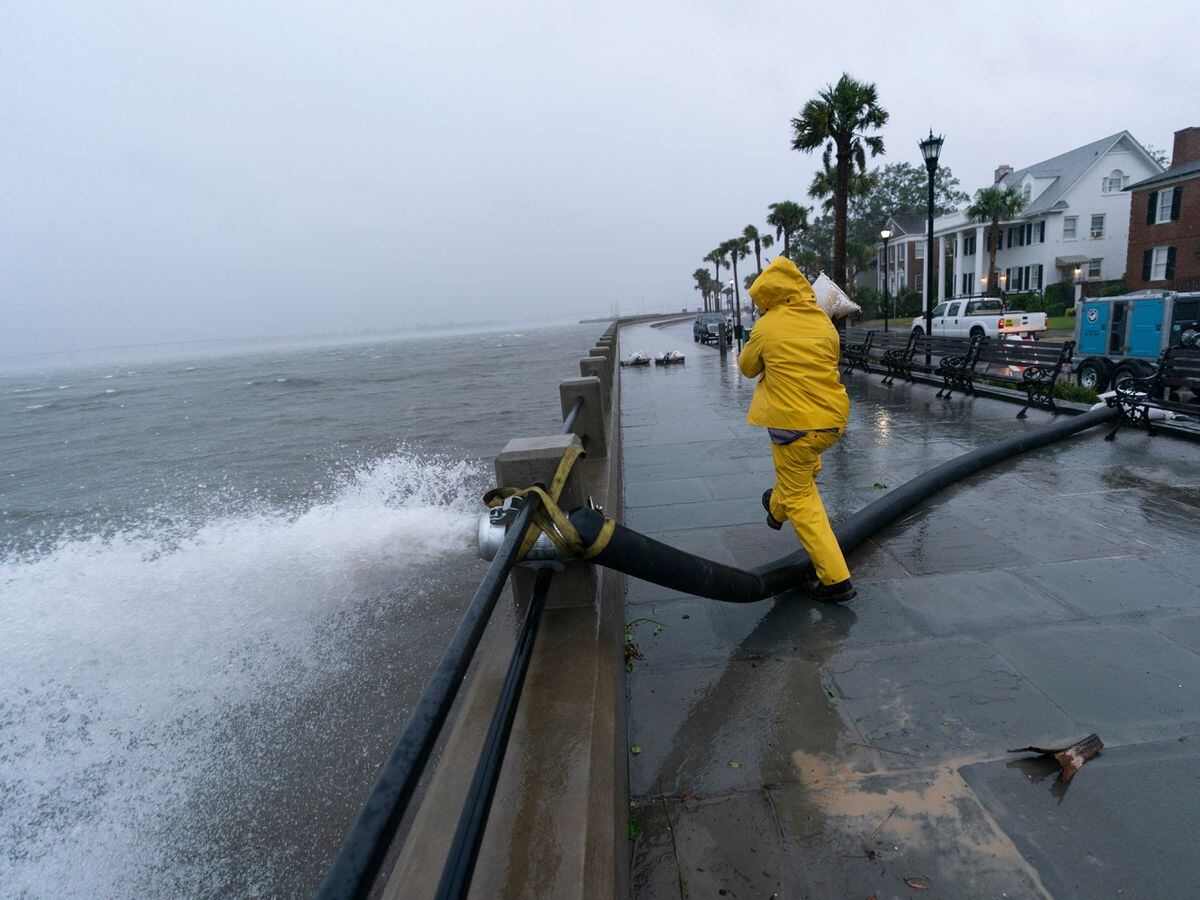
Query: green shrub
(906, 304)
(1060, 294)
(1063, 390)
(1068, 390)
(1113, 290)
(870, 300)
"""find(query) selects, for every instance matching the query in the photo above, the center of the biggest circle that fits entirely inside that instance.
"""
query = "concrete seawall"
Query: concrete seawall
(559, 821)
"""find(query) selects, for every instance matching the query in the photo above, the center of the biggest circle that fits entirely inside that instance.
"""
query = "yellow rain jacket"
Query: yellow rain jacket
(795, 347)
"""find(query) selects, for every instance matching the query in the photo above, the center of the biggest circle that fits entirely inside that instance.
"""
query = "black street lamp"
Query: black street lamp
(931, 149)
(885, 234)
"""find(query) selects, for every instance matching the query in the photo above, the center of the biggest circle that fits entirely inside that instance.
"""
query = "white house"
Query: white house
(1076, 217)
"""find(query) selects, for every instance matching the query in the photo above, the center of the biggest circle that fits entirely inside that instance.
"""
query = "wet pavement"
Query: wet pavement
(793, 749)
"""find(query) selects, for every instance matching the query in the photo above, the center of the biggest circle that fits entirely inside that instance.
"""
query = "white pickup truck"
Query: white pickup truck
(987, 316)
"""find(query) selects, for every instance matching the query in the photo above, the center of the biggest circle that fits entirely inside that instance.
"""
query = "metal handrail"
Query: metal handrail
(369, 839)
(460, 862)
(572, 415)
(367, 843)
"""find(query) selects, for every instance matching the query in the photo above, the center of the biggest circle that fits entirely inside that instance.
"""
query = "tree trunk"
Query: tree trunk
(737, 299)
(758, 255)
(841, 200)
(787, 243)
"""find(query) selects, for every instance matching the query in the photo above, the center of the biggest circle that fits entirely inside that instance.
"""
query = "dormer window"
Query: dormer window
(1026, 192)
(1115, 181)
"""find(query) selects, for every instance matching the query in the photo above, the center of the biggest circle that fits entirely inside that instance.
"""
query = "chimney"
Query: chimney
(1001, 171)
(1187, 146)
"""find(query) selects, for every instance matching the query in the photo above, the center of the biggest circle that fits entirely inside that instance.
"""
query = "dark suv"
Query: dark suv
(707, 328)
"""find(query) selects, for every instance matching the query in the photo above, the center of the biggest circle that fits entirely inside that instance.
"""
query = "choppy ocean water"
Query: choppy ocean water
(223, 581)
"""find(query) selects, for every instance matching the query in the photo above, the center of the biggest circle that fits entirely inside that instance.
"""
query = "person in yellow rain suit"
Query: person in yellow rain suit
(801, 402)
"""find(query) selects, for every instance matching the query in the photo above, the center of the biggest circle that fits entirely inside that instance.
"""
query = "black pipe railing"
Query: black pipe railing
(572, 415)
(369, 840)
(460, 864)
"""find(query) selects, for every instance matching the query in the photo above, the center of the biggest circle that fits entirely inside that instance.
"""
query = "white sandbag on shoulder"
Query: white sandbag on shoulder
(833, 299)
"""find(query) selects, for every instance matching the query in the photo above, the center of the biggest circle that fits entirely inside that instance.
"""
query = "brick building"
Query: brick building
(905, 263)
(1164, 223)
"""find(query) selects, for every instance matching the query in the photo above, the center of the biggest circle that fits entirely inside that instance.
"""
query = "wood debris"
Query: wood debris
(1070, 759)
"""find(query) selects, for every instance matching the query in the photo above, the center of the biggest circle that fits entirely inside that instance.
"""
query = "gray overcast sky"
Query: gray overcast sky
(181, 171)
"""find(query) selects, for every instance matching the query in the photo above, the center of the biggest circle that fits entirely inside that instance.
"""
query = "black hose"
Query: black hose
(650, 560)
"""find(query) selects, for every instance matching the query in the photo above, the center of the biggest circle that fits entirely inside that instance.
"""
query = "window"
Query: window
(1115, 181)
(1158, 263)
(969, 245)
(1026, 192)
(1094, 268)
(952, 311)
(920, 247)
(1166, 202)
(1097, 226)
(919, 283)
(1069, 225)
(1040, 232)
(892, 253)
(967, 278)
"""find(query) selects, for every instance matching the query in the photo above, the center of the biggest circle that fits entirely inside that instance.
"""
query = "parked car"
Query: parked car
(707, 328)
(985, 316)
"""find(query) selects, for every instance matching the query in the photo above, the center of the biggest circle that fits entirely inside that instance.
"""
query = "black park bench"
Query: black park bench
(921, 353)
(856, 345)
(1032, 366)
(1178, 367)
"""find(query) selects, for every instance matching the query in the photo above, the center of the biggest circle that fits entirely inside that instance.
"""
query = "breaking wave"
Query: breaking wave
(122, 659)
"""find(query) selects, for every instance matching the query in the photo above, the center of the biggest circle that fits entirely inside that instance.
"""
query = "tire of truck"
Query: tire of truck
(1095, 373)
(919, 331)
(1128, 370)
(978, 332)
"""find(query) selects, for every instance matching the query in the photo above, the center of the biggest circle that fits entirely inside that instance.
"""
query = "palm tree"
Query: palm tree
(994, 204)
(838, 119)
(787, 218)
(824, 185)
(717, 258)
(750, 233)
(703, 284)
(737, 248)
(808, 262)
(859, 257)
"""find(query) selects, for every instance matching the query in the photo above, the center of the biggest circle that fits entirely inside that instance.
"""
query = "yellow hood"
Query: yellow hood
(781, 282)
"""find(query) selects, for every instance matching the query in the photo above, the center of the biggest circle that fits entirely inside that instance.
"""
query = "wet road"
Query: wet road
(823, 751)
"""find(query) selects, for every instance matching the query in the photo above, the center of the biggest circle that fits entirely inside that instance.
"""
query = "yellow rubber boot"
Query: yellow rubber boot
(795, 498)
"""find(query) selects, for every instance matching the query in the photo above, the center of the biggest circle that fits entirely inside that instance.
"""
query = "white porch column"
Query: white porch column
(960, 265)
(941, 254)
(981, 256)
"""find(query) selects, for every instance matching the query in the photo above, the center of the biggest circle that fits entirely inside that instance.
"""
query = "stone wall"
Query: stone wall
(558, 827)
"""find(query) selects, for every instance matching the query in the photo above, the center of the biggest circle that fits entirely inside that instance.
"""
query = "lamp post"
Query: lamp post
(931, 149)
(1078, 285)
(885, 234)
(735, 300)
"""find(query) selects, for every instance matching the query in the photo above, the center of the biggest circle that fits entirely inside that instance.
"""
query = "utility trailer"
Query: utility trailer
(1120, 338)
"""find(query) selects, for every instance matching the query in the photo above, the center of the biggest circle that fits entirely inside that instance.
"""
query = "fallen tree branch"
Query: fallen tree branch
(1070, 759)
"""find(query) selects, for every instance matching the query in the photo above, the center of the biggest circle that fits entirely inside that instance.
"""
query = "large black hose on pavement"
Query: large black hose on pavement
(651, 560)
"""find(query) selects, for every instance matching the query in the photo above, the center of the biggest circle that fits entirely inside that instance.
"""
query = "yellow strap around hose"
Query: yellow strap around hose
(549, 518)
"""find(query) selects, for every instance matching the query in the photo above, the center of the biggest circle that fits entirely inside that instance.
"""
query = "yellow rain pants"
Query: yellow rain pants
(794, 352)
(795, 499)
